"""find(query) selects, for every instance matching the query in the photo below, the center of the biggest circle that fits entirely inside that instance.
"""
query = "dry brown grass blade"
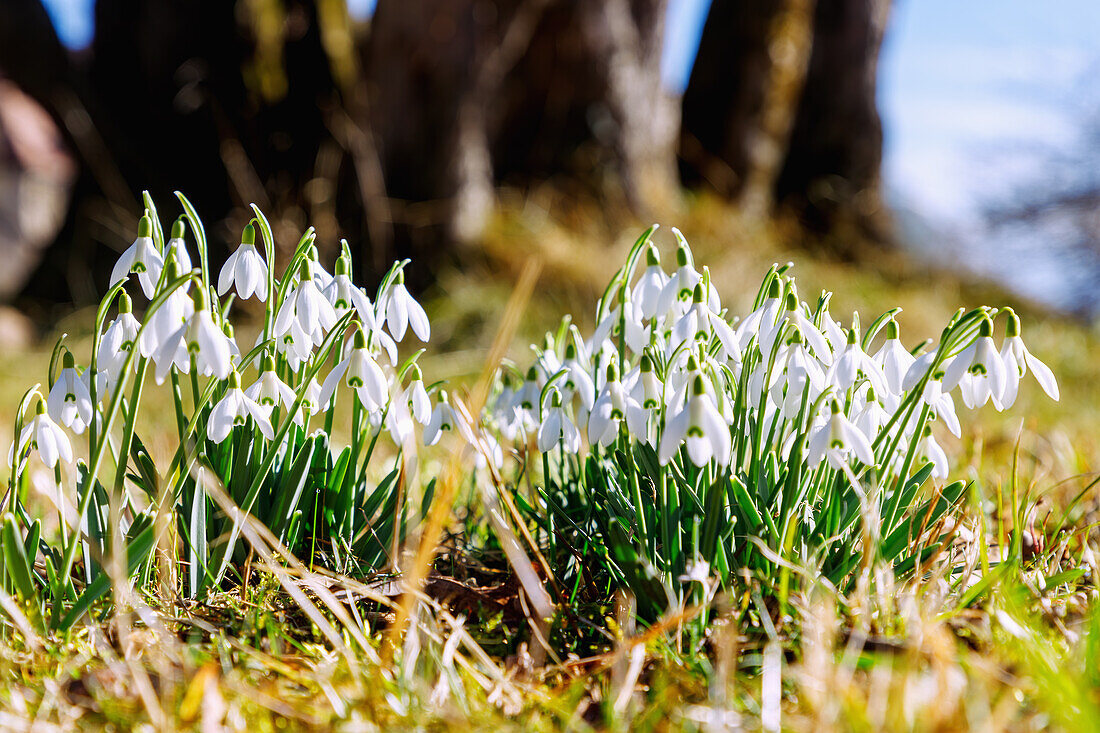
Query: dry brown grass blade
(455, 468)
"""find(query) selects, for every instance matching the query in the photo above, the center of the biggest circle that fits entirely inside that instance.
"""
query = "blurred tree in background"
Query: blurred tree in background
(396, 133)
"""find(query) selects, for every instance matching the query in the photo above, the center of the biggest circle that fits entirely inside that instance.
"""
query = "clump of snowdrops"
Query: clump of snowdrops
(687, 447)
(254, 421)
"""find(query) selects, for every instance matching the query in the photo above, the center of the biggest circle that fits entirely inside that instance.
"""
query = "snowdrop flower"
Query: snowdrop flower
(118, 340)
(612, 408)
(70, 400)
(647, 292)
(345, 295)
(792, 314)
(837, 440)
(556, 427)
(305, 307)
(402, 312)
(699, 322)
(763, 320)
(176, 249)
(245, 268)
(321, 276)
(852, 362)
(681, 284)
(803, 372)
(234, 409)
(416, 397)
(701, 426)
(1017, 360)
(929, 451)
(270, 391)
(917, 370)
(872, 416)
(142, 258)
(201, 341)
(626, 320)
(895, 361)
(442, 420)
(941, 403)
(576, 380)
(978, 370)
(45, 436)
(360, 372)
(174, 312)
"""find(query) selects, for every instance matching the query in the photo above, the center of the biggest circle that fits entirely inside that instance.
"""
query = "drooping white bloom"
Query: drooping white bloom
(45, 436)
(360, 372)
(895, 362)
(416, 397)
(677, 293)
(872, 415)
(246, 269)
(626, 320)
(978, 370)
(647, 291)
(200, 340)
(402, 312)
(1017, 360)
(850, 363)
(556, 428)
(306, 307)
(118, 340)
(763, 319)
(142, 258)
(699, 322)
(234, 409)
(838, 440)
(929, 451)
(701, 427)
(802, 378)
(942, 404)
(442, 420)
(577, 380)
(176, 249)
(174, 312)
(270, 391)
(70, 400)
(793, 315)
(613, 407)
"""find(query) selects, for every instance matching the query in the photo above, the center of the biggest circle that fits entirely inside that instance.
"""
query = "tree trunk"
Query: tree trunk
(741, 98)
(780, 107)
(832, 174)
(465, 95)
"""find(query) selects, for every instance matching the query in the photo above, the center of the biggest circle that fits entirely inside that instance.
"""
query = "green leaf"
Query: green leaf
(15, 560)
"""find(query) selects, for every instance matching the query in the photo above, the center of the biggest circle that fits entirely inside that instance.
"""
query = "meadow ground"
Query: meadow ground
(995, 634)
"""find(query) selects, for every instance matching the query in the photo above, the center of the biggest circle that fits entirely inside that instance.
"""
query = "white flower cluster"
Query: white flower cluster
(666, 366)
(187, 332)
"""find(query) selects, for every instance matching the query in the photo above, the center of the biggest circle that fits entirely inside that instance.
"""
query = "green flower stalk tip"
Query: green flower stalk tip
(1012, 328)
(892, 330)
(652, 257)
(145, 226)
(125, 303)
(985, 328)
(179, 227)
(647, 363)
(234, 379)
(248, 236)
(343, 267)
(791, 303)
(358, 339)
(67, 361)
(304, 270)
(774, 288)
(41, 409)
(199, 298)
(267, 364)
(683, 256)
(853, 336)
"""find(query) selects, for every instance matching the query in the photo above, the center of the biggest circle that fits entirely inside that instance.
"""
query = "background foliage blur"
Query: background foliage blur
(402, 125)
